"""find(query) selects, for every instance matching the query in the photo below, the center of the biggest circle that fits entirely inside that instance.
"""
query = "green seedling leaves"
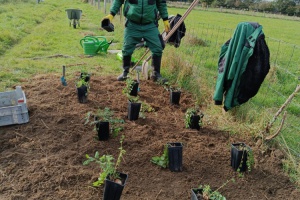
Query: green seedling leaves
(163, 160)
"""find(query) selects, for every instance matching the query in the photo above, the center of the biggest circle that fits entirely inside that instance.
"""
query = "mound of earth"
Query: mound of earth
(43, 159)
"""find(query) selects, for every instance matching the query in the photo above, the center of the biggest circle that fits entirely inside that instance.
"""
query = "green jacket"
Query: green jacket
(141, 11)
(233, 61)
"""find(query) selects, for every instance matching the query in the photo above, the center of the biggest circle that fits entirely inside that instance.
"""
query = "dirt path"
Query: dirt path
(43, 158)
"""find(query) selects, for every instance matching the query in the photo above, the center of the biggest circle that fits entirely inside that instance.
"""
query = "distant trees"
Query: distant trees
(286, 7)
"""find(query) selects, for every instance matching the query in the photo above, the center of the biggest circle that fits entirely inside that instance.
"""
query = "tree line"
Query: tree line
(285, 7)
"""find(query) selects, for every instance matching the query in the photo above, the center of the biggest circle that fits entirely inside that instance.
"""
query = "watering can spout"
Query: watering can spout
(111, 41)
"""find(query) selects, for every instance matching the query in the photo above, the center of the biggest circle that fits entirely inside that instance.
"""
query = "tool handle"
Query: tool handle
(64, 71)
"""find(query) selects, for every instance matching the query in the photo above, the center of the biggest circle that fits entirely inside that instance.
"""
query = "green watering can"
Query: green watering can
(94, 44)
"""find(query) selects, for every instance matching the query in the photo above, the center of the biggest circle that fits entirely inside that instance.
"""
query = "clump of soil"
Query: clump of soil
(43, 158)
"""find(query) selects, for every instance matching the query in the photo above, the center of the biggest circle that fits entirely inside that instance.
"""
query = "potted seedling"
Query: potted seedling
(109, 175)
(175, 93)
(206, 193)
(105, 123)
(193, 118)
(175, 156)
(131, 88)
(134, 107)
(171, 158)
(82, 90)
(242, 158)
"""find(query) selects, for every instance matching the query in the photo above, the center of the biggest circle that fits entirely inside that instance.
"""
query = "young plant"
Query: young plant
(129, 86)
(107, 165)
(85, 76)
(174, 89)
(192, 112)
(147, 107)
(105, 115)
(81, 82)
(163, 160)
(209, 194)
(250, 158)
(133, 99)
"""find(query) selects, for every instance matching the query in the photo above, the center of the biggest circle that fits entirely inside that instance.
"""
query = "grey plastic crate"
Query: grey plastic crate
(13, 108)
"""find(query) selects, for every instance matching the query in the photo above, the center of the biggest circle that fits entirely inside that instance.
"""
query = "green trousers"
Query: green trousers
(134, 33)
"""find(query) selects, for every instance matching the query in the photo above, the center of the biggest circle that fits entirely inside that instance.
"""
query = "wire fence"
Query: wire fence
(280, 83)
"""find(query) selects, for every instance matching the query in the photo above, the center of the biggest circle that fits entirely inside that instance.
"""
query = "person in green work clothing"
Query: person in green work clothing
(141, 23)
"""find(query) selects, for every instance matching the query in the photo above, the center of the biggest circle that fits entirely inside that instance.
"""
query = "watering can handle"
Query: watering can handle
(81, 42)
(92, 37)
(87, 37)
(101, 37)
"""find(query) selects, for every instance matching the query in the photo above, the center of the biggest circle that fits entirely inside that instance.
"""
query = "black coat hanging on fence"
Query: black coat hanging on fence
(243, 65)
(176, 37)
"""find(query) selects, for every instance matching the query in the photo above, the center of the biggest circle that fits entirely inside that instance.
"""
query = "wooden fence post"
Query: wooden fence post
(104, 6)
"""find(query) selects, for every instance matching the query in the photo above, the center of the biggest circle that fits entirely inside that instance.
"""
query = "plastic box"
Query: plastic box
(13, 108)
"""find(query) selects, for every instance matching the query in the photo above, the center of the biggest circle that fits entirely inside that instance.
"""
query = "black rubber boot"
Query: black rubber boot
(126, 66)
(156, 76)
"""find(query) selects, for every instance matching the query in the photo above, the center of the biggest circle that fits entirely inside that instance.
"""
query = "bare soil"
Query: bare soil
(43, 159)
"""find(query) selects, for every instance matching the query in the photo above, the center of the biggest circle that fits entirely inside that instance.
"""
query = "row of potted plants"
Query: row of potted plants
(241, 159)
(106, 125)
(193, 116)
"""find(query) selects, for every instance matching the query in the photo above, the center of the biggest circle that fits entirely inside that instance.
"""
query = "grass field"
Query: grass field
(40, 42)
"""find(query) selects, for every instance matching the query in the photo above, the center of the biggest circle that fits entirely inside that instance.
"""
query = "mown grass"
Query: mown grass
(40, 42)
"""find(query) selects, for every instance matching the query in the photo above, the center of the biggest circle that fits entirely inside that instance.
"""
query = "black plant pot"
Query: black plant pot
(133, 110)
(175, 97)
(175, 156)
(82, 93)
(135, 88)
(239, 156)
(102, 130)
(194, 123)
(107, 25)
(196, 194)
(113, 190)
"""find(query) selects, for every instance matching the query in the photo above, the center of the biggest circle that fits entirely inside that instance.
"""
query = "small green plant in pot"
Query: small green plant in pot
(109, 175)
(207, 193)
(193, 118)
(83, 88)
(242, 158)
(175, 93)
(171, 157)
(105, 123)
(131, 88)
(134, 107)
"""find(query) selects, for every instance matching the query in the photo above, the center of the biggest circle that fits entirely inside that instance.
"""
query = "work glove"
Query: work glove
(167, 26)
(109, 17)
